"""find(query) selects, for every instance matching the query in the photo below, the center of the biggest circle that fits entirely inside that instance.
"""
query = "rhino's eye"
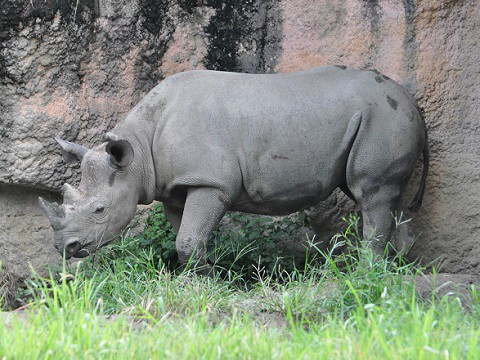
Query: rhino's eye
(99, 210)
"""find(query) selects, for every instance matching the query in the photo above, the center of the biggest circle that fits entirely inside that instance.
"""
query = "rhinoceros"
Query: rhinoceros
(204, 142)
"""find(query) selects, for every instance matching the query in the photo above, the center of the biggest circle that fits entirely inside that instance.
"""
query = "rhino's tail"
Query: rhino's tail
(417, 200)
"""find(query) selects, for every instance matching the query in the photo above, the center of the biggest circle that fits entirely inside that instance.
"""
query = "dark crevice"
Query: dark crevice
(226, 31)
(373, 12)
(262, 63)
(410, 45)
(243, 35)
(155, 15)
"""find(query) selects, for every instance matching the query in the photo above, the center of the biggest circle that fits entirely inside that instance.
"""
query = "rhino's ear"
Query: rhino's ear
(120, 151)
(71, 152)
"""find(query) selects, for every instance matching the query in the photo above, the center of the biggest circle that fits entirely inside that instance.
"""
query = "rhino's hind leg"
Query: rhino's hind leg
(378, 211)
(204, 208)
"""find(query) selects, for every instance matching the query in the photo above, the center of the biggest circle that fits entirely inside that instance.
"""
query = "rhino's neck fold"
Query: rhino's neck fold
(142, 177)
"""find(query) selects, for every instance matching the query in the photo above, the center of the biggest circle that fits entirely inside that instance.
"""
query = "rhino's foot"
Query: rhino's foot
(200, 269)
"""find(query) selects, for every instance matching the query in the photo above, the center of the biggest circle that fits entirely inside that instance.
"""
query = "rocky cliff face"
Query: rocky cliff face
(75, 69)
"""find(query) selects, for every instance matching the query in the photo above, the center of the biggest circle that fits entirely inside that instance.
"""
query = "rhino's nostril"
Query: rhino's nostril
(73, 247)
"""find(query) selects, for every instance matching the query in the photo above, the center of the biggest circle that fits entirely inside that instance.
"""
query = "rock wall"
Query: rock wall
(75, 69)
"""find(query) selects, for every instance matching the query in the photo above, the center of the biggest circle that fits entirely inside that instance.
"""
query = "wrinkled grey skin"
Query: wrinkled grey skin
(205, 142)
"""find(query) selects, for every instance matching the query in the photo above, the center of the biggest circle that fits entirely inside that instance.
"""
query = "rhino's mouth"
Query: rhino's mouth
(81, 253)
(74, 248)
(84, 251)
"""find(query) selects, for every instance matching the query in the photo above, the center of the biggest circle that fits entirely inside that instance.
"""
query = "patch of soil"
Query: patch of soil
(9, 285)
(436, 286)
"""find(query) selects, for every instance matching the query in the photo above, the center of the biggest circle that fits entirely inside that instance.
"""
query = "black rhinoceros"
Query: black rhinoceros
(204, 142)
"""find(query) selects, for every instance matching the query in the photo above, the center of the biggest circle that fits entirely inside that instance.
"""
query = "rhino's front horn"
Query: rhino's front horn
(70, 194)
(53, 213)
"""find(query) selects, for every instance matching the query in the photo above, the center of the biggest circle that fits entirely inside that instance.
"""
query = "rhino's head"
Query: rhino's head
(105, 202)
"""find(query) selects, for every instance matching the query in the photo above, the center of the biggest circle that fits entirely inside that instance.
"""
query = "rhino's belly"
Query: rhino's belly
(266, 200)
(290, 182)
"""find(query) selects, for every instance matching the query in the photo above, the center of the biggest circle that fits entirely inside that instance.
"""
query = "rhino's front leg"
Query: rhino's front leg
(204, 208)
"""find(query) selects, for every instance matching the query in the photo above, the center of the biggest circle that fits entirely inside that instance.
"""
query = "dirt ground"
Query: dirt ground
(453, 285)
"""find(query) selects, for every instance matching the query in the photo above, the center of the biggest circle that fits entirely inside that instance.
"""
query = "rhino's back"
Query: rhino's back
(236, 103)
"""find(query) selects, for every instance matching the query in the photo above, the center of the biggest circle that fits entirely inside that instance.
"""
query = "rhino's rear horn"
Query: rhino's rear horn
(71, 152)
(53, 212)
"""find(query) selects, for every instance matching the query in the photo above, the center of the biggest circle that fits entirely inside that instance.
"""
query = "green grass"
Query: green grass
(125, 304)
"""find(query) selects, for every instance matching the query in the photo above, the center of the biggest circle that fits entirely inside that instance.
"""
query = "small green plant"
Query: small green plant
(241, 244)
(160, 236)
(245, 243)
